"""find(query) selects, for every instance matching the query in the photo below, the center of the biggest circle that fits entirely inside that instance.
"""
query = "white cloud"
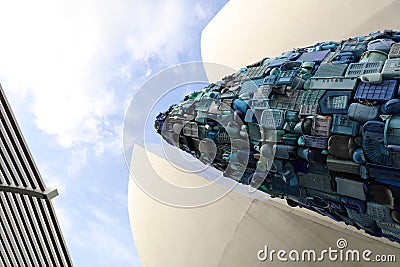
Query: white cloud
(64, 56)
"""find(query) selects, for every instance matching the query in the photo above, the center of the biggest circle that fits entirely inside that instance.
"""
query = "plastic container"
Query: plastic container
(309, 102)
(382, 195)
(383, 172)
(356, 205)
(204, 105)
(279, 186)
(395, 51)
(383, 45)
(334, 102)
(336, 83)
(286, 77)
(314, 141)
(292, 101)
(394, 153)
(254, 132)
(255, 73)
(316, 181)
(374, 56)
(392, 130)
(377, 92)
(284, 151)
(342, 124)
(357, 48)
(250, 86)
(373, 130)
(390, 229)
(358, 69)
(269, 80)
(358, 156)
(321, 125)
(391, 107)
(363, 113)
(341, 146)
(290, 139)
(379, 212)
(276, 62)
(351, 188)
(260, 104)
(342, 166)
(362, 219)
(273, 119)
(376, 152)
(250, 117)
(191, 129)
(344, 58)
(222, 137)
(391, 69)
(330, 70)
(315, 56)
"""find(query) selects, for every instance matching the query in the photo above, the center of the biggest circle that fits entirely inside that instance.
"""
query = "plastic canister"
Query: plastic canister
(373, 56)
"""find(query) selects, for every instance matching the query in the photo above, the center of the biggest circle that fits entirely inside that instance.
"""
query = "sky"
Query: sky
(69, 70)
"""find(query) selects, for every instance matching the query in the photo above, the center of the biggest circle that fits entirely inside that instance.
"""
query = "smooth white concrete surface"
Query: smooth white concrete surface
(231, 231)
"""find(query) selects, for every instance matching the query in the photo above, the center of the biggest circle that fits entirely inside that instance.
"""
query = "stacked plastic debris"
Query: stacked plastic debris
(318, 126)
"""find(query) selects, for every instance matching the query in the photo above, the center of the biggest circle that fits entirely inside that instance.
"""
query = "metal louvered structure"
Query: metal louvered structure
(29, 231)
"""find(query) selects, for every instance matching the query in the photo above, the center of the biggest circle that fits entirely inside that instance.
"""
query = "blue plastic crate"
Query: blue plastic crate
(315, 56)
(383, 172)
(351, 188)
(391, 69)
(330, 70)
(342, 124)
(309, 101)
(379, 212)
(256, 72)
(292, 101)
(334, 102)
(358, 69)
(335, 83)
(377, 92)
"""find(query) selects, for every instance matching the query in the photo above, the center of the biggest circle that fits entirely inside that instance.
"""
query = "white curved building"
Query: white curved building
(234, 230)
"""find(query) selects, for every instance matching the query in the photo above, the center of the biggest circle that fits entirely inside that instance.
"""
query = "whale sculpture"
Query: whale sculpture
(317, 125)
